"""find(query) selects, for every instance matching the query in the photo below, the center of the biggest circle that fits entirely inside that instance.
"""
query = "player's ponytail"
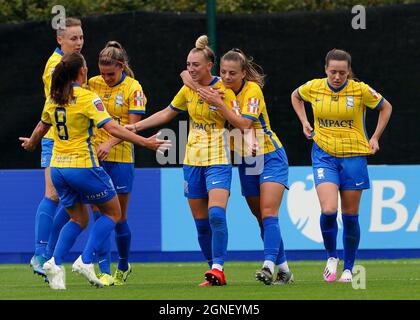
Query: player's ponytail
(65, 73)
(202, 45)
(253, 72)
(115, 54)
(340, 55)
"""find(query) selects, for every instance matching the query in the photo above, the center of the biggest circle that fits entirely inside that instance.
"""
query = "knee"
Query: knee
(217, 216)
(268, 212)
(329, 209)
(52, 197)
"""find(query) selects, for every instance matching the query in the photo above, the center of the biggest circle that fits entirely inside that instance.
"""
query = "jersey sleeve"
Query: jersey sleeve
(371, 98)
(179, 103)
(96, 111)
(304, 91)
(137, 99)
(252, 104)
(231, 101)
(45, 116)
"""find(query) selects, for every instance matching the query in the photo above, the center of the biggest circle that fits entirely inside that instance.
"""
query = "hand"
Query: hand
(103, 150)
(210, 95)
(158, 145)
(132, 127)
(27, 144)
(250, 142)
(308, 131)
(374, 145)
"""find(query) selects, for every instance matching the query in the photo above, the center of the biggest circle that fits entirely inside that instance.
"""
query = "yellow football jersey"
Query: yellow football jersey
(339, 115)
(208, 138)
(252, 105)
(52, 62)
(74, 128)
(120, 100)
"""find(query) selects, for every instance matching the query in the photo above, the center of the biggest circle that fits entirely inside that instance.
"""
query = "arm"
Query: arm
(29, 144)
(384, 115)
(213, 98)
(156, 119)
(188, 81)
(299, 108)
(104, 148)
(152, 142)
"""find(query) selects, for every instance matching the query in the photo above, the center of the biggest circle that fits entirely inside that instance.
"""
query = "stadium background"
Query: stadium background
(291, 48)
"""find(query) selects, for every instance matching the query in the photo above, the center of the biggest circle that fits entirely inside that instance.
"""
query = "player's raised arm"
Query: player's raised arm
(157, 119)
(152, 143)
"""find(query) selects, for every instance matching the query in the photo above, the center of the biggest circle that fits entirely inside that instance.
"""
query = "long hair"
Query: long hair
(114, 54)
(253, 72)
(65, 73)
(340, 55)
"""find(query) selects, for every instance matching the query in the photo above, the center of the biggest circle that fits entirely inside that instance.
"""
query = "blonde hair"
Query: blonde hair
(201, 45)
(253, 72)
(114, 54)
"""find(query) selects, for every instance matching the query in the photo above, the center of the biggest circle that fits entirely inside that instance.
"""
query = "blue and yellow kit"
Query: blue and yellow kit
(252, 104)
(74, 129)
(208, 138)
(339, 115)
(124, 98)
(52, 62)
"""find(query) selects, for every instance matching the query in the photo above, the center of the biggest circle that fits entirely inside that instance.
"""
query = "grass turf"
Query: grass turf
(385, 279)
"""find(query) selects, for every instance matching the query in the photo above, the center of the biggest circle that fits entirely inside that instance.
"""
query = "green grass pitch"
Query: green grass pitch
(385, 279)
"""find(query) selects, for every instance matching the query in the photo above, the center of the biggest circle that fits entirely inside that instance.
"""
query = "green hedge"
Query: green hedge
(27, 10)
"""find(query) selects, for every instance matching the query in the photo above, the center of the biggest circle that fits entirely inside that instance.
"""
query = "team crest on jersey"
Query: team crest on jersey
(373, 93)
(138, 98)
(119, 100)
(235, 107)
(350, 101)
(98, 104)
(320, 172)
(212, 108)
(253, 104)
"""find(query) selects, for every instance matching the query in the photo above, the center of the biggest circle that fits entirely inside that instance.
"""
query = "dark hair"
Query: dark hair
(70, 22)
(253, 72)
(339, 55)
(201, 45)
(65, 73)
(114, 54)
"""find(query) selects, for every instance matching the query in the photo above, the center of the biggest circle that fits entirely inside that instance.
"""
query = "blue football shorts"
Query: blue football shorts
(270, 167)
(46, 152)
(121, 173)
(85, 185)
(199, 180)
(349, 173)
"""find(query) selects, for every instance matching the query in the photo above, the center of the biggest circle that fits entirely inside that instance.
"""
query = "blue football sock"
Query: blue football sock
(101, 229)
(104, 251)
(281, 257)
(60, 219)
(329, 229)
(272, 238)
(204, 238)
(123, 241)
(351, 239)
(217, 218)
(66, 240)
(43, 222)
